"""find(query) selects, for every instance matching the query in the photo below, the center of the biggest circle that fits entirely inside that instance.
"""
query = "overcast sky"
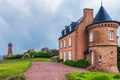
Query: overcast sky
(38, 23)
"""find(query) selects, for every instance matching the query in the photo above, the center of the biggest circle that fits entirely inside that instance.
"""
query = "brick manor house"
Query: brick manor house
(92, 38)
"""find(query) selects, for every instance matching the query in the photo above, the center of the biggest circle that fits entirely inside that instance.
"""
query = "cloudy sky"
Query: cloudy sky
(38, 23)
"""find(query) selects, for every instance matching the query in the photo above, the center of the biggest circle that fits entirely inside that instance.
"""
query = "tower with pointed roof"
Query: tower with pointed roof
(103, 42)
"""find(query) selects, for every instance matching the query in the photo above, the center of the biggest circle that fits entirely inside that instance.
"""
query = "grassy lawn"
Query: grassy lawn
(11, 68)
(91, 75)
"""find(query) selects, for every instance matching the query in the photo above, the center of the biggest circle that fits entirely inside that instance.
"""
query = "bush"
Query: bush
(59, 60)
(42, 55)
(17, 78)
(18, 56)
(102, 77)
(82, 63)
(70, 63)
(52, 54)
(32, 54)
(116, 76)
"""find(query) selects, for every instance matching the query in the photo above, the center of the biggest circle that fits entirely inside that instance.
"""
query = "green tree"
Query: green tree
(118, 57)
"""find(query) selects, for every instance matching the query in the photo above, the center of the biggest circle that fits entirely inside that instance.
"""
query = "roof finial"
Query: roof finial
(101, 2)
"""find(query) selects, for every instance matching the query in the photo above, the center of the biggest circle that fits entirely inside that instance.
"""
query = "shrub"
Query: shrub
(52, 54)
(42, 55)
(70, 63)
(82, 63)
(102, 77)
(18, 56)
(17, 78)
(32, 54)
(59, 60)
(116, 76)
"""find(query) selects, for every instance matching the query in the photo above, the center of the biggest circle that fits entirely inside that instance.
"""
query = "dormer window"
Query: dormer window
(111, 35)
(70, 28)
(64, 31)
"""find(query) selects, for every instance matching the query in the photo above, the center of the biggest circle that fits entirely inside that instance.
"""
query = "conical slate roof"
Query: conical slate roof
(102, 16)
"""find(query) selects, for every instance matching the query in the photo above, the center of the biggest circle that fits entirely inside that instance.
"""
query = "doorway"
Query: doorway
(92, 58)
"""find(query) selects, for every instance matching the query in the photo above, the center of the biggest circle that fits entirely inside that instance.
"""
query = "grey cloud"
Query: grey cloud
(31, 25)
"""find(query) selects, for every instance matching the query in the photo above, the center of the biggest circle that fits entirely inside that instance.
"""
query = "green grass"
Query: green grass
(90, 75)
(11, 68)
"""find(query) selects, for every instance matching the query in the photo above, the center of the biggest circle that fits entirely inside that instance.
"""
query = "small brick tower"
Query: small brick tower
(9, 49)
(103, 42)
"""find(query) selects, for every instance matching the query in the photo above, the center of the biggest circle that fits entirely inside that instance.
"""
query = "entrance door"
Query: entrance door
(64, 56)
(92, 58)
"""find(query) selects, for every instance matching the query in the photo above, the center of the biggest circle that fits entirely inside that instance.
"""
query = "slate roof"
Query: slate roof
(70, 28)
(102, 16)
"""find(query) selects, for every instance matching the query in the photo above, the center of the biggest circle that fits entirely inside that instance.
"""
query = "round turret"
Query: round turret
(103, 42)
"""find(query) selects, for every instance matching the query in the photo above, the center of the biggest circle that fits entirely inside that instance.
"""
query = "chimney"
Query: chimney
(66, 27)
(88, 12)
(88, 16)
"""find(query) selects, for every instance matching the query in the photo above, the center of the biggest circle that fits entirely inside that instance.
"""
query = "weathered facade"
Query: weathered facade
(92, 38)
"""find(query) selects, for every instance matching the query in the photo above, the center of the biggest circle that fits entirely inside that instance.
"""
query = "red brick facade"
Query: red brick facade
(79, 38)
(98, 39)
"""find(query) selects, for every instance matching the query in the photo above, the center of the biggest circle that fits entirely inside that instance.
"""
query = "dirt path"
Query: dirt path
(49, 71)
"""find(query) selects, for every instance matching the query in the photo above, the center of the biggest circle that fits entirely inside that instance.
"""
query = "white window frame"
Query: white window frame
(60, 55)
(100, 58)
(64, 56)
(64, 43)
(61, 44)
(111, 53)
(91, 37)
(70, 28)
(70, 55)
(70, 42)
(64, 32)
(111, 35)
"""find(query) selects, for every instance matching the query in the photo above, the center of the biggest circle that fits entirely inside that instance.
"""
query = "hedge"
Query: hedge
(70, 63)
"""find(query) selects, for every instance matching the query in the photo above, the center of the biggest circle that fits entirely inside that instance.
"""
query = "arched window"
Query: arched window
(100, 58)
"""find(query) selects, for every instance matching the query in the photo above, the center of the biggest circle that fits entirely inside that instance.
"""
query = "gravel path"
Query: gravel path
(49, 71)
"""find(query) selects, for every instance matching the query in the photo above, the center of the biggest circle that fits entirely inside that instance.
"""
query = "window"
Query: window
(70, 28)
(61, 44)
(91, 37)
(64, 56)
(64, 43)
(64, 31)
(70, 41)
(60, 55)
(111, 53)
(111, 35)
(70, 55)
(100, 58)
